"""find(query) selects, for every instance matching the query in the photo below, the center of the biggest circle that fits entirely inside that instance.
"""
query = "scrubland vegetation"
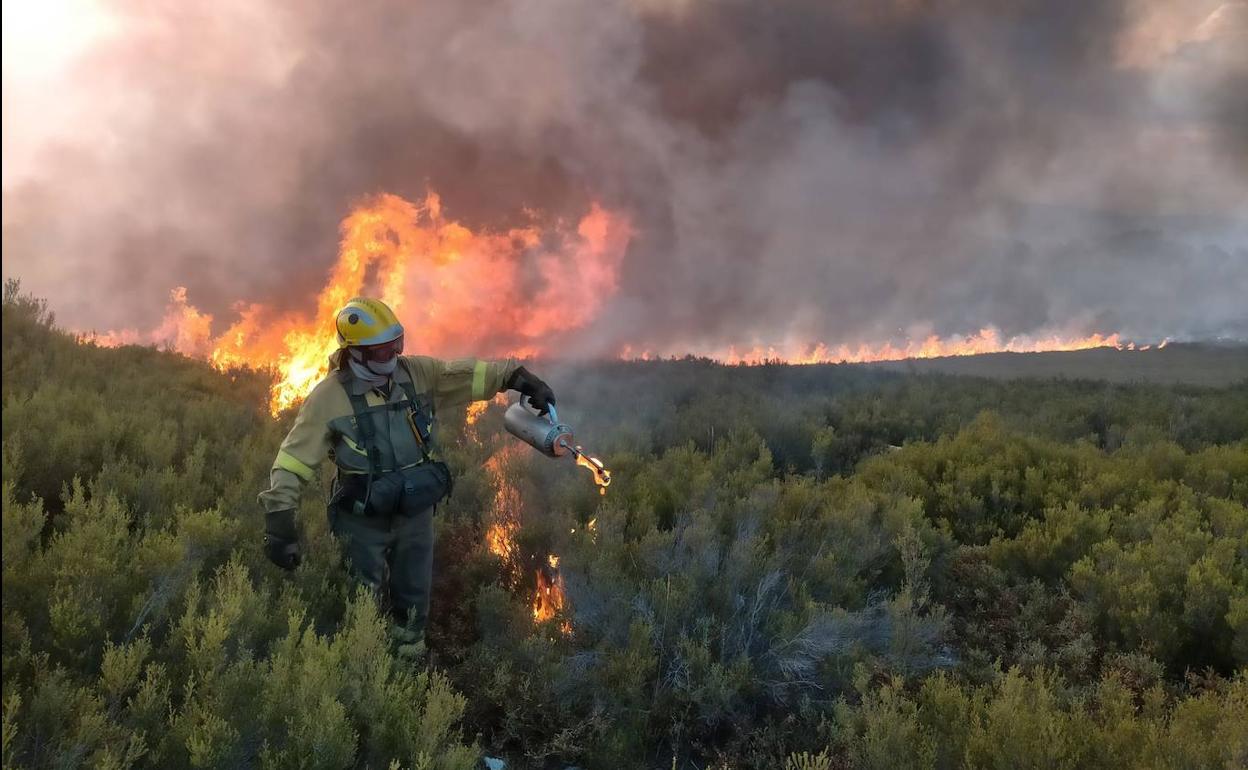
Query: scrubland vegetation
(812, 567)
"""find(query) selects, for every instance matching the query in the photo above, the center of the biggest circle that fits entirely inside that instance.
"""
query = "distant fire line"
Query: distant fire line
(185, 329)
(519, 292)
(494, 292)
(987, 340)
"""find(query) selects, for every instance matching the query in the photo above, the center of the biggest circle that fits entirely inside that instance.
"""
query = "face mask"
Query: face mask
(367, 373)
(385, 369)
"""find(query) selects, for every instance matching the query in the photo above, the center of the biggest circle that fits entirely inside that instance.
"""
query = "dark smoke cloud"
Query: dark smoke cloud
(795, 170)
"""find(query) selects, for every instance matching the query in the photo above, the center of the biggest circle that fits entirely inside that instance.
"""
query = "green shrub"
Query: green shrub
(799, 567)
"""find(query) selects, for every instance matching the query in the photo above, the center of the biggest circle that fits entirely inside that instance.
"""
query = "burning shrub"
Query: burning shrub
(700, 623)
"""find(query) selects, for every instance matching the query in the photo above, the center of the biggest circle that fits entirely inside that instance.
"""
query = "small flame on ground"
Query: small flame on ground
(549, 599)
(474, 411)
(478, 408)
(500, 538)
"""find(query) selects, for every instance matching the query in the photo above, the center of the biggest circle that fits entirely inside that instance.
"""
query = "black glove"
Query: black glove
(281, 539)
(541, 397)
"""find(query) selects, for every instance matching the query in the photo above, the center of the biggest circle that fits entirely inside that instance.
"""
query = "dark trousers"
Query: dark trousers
(393, 556)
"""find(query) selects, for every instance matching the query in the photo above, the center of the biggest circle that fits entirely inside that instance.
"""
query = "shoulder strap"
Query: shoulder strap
(409, 386)
(415, 411)
(364, 421)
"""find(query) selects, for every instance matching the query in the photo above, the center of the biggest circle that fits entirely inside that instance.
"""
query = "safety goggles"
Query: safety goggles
(382, 353)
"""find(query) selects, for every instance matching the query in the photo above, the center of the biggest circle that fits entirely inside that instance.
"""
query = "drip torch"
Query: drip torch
(550, 437)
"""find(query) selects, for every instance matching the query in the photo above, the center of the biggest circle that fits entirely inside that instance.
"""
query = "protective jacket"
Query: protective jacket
(327, 426)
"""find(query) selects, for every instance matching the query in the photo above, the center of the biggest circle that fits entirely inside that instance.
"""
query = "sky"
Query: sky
(793, 171)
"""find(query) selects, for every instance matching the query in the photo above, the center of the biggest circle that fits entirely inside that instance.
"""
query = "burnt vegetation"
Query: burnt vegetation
(798, 567)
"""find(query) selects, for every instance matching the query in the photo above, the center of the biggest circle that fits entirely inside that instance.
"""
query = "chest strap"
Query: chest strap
(417, 420)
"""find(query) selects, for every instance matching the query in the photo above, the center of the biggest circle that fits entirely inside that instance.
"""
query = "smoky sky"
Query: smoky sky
(795, 170)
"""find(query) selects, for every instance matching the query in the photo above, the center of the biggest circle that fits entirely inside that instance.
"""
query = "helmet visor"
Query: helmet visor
(383, 353)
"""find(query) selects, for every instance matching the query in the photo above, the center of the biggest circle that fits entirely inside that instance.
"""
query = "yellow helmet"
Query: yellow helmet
(365, 321)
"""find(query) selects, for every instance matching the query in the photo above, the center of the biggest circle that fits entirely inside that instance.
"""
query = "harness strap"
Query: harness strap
(368, 436)
(408, 385)
(368, 431)
(414, 409)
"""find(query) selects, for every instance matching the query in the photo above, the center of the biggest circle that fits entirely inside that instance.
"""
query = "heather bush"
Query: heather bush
(1039, 721)
(798, 567)
(141, 626)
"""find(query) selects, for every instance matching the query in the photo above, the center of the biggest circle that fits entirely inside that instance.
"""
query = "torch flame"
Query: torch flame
(602, 476)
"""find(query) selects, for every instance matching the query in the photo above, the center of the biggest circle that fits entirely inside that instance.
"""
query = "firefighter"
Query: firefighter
(374, 416)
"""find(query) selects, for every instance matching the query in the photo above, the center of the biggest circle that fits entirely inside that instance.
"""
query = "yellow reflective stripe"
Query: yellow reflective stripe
(289, 462)
(478, 381)
(354, 446)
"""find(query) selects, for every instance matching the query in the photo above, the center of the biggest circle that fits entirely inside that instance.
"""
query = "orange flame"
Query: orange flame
(184, 329)
(549, 598)
(986, 340)
(500, 540)
(500, 537)
(474, 412)
(495, 293)
(602, 476)
(477, 408)
(456, 290)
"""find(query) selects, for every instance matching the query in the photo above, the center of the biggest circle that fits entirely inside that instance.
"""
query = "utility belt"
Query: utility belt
(403, 492)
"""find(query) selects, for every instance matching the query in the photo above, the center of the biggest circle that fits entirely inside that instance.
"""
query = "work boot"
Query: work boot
(413, 653)
(409, 645)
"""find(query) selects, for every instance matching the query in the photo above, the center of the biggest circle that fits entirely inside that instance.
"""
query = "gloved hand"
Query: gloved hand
(281, 539)
(540, 396)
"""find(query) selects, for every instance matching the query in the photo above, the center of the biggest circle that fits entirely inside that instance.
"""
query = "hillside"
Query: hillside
(797, 567)
(1188, 363)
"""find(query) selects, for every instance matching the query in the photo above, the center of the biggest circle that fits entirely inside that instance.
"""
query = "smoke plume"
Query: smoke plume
(793, 170)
